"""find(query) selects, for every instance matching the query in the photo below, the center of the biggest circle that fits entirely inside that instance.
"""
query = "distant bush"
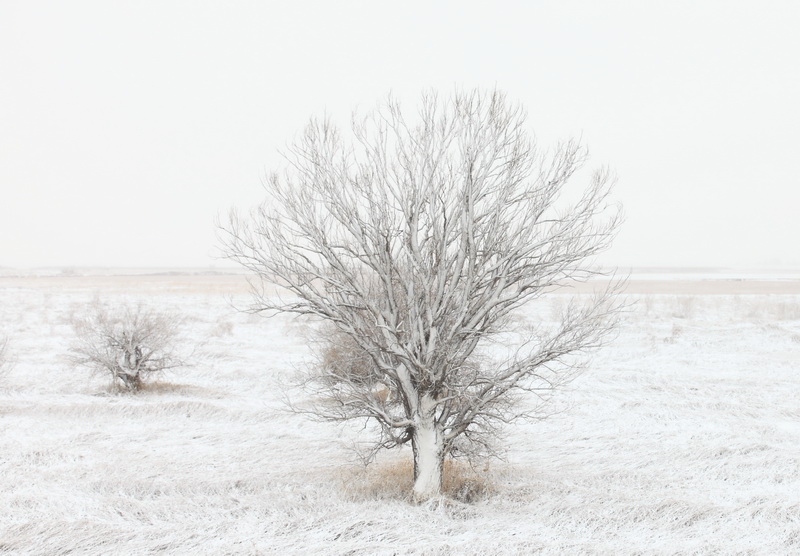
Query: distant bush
(131, 343)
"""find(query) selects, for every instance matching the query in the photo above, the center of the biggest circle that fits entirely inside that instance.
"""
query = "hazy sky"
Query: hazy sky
(126, 127)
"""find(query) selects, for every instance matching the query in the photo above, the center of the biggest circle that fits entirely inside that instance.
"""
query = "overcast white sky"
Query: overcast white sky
(125, 127)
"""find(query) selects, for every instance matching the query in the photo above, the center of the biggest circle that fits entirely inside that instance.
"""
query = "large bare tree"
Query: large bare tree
(416, 237)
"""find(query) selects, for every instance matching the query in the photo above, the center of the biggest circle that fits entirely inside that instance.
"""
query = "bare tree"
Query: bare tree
(131, 344)
(417, 240)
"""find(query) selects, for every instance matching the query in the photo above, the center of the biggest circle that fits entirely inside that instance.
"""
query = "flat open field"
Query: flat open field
(683, 437)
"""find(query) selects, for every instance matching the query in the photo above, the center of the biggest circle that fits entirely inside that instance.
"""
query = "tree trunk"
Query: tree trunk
(428, 459)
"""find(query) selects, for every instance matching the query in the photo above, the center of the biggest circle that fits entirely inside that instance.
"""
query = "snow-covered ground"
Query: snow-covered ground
(683, 437)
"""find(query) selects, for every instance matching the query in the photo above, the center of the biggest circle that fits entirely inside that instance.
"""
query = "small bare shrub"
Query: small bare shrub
(684, 307)
(131, 344)
(223, 327)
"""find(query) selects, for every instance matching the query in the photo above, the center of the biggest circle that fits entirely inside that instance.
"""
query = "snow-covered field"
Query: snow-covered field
(682, 438)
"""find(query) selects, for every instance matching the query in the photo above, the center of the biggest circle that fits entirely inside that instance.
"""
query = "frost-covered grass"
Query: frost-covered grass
(682, 438)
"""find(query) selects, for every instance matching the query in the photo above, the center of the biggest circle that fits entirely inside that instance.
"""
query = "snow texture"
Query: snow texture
(681, 438)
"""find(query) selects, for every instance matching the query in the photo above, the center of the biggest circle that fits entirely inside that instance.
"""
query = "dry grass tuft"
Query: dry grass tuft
(163, 387)
(393, 480)
(465, 483)
(158, 388)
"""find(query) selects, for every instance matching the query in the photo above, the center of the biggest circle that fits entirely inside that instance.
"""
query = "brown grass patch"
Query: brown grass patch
(394, 479)
(158, 388)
